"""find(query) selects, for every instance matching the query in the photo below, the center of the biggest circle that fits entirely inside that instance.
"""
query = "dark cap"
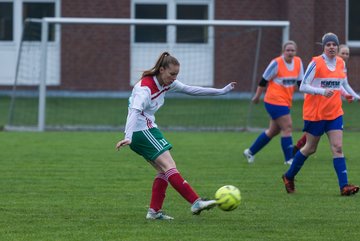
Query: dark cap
(330, 37)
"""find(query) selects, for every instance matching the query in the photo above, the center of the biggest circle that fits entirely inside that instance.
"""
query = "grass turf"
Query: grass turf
(75, 186)
(177, 113)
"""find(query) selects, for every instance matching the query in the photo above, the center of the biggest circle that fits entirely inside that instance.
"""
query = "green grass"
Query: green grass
(113, 112)
(193, 113)
(4, 110)
(75, 186)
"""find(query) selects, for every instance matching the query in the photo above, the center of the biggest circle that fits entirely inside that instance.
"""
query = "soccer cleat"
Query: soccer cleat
(349, 189)
(289, 184)
(159, 215)
(249, 156)
(289, 162)
(202, 204)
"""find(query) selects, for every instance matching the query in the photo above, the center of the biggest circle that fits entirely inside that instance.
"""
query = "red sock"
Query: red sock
(181, 186)
(158, 191)
(301, 142)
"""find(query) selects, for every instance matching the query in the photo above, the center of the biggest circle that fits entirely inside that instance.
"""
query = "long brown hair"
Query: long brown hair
(164, 61)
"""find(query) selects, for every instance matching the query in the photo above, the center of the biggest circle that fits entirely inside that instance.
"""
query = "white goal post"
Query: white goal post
(45, 22)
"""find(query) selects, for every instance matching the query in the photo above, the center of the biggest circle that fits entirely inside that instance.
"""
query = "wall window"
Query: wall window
(187, 10)
(37, 10)
(150, 33)
(354, 20)
(353, 23)
(189, 43)
(192, 34)
(6, 21)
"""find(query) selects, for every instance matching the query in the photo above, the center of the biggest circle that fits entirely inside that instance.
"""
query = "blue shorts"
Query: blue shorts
(318, 128)
(276, 111)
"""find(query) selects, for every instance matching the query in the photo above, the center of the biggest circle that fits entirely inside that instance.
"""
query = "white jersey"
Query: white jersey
(148, 96)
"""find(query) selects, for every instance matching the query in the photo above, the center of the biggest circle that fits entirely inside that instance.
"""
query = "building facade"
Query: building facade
(111, 55)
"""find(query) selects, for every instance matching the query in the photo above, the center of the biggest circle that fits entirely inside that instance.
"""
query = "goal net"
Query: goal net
(77, 73)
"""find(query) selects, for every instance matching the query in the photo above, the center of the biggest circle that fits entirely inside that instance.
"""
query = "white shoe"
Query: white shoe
(200, 205)
(289, 162)
(249, 156)
(160, 215)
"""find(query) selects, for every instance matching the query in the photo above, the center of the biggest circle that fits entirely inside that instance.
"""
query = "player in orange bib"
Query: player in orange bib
(322, 112)
(344, 53)
(282, 75)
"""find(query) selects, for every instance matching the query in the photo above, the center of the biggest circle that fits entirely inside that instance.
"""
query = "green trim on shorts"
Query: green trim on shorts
(149, 143)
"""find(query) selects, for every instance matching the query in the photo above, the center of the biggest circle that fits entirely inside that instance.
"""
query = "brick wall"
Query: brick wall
(309, 21)
(234, 55)
(82, 44)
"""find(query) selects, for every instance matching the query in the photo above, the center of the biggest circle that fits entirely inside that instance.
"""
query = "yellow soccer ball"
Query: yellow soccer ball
(228, 197)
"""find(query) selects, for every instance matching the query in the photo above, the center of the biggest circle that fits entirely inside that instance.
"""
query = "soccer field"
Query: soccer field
(177, 114)
(75, 186)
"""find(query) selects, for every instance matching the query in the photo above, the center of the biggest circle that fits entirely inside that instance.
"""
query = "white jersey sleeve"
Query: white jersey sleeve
(343, 91)
(306, 82)
(140, 98)
(346, 88)
(301, 74)
(138, 101)
(349, 90)
(131, 122)
(177, 86)
(271, 70)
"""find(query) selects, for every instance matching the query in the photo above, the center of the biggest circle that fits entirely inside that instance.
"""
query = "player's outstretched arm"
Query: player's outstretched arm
(231, 86)
(202, 91)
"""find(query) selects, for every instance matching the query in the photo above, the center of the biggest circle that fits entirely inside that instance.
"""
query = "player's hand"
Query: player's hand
(122, 143)
(233, 84)
(229, 87)
(349, 98)
(328, 93)
(255, 99)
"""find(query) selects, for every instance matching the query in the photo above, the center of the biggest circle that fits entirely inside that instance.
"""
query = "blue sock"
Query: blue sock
(287, 147)
(259, 143)
(295, 167)
(340, 168)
